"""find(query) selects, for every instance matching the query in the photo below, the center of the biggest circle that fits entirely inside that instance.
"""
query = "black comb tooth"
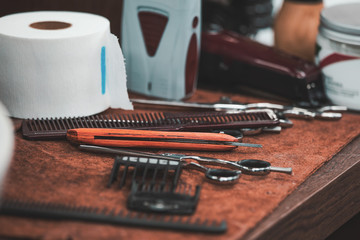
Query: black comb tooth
(236, 117)
(123, 177)
(104, 211)
(136, 169)
(197, 221)
(153, 180)
(205, 222)
(120, 213)
(67, 124)
(44, 123)
(114, 171)
(72, 121)
(163, 181)
(130, 121)
(152, 121)
(99, 121)
(75, 122)
(57, 123)
(229, 118)
(86, 122)
(145, 170)
(91, 121)
(103, 121)
(187, 220)
(31, 123)
(117, 121)
(142, 120)
(180, 219)
(81, 121)
(157, 118)
(95, 122)
(42, 127)
(112, 212)
(128, 215)
(147, 119)
(110, 119)
(94, 210)
(125, 120)
(50, 122)
(37, 124)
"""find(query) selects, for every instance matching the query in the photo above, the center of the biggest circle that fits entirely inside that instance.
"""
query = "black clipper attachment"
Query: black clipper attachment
(149, 198)
(151, 170)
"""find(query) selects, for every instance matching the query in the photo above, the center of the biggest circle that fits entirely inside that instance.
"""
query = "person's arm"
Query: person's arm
(296, 27)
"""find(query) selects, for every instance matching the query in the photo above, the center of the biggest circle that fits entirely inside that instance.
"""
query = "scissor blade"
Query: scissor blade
(122, 151)
(173, 103)
(215, 106)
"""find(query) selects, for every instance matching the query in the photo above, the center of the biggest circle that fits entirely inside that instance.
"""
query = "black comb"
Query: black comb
(116, 217)
(157, 171)
(152, 198)
(57, 128)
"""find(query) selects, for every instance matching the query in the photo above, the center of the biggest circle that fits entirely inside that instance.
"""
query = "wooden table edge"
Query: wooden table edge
(320, 205)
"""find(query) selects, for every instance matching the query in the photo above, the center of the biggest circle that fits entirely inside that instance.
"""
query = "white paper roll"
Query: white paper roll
(6, 143)
(60, 64)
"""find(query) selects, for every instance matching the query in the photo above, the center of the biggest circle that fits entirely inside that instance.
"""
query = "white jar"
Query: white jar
(338, 53)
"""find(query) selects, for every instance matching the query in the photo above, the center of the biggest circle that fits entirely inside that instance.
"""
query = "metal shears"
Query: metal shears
(228, 175)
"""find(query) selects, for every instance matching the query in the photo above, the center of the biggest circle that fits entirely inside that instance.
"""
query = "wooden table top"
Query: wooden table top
(315, 200)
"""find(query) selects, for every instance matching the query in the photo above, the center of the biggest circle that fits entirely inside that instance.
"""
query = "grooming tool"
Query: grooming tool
(52, 211)
(151, 169)
(229, 59)
(155, 139)
(250, 166)
(215, 175)
(158, 33)
(325, 112)
(57, 128)
(260, 167)
(148, 198)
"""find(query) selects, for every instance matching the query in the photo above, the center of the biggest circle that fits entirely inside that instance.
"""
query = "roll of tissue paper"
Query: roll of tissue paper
(60, 64)
(7, 142)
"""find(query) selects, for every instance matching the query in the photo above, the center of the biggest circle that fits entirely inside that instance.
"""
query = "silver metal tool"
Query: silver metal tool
(326, 112)
(215, 175)
(250, 166)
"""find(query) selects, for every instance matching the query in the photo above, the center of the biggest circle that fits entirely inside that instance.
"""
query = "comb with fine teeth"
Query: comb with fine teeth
(54, 211)
(186, 121)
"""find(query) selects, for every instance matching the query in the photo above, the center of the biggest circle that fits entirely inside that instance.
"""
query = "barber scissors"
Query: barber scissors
(218, 175)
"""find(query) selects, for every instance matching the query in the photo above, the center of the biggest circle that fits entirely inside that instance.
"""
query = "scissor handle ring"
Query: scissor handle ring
(255, 166)
(224, 176)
